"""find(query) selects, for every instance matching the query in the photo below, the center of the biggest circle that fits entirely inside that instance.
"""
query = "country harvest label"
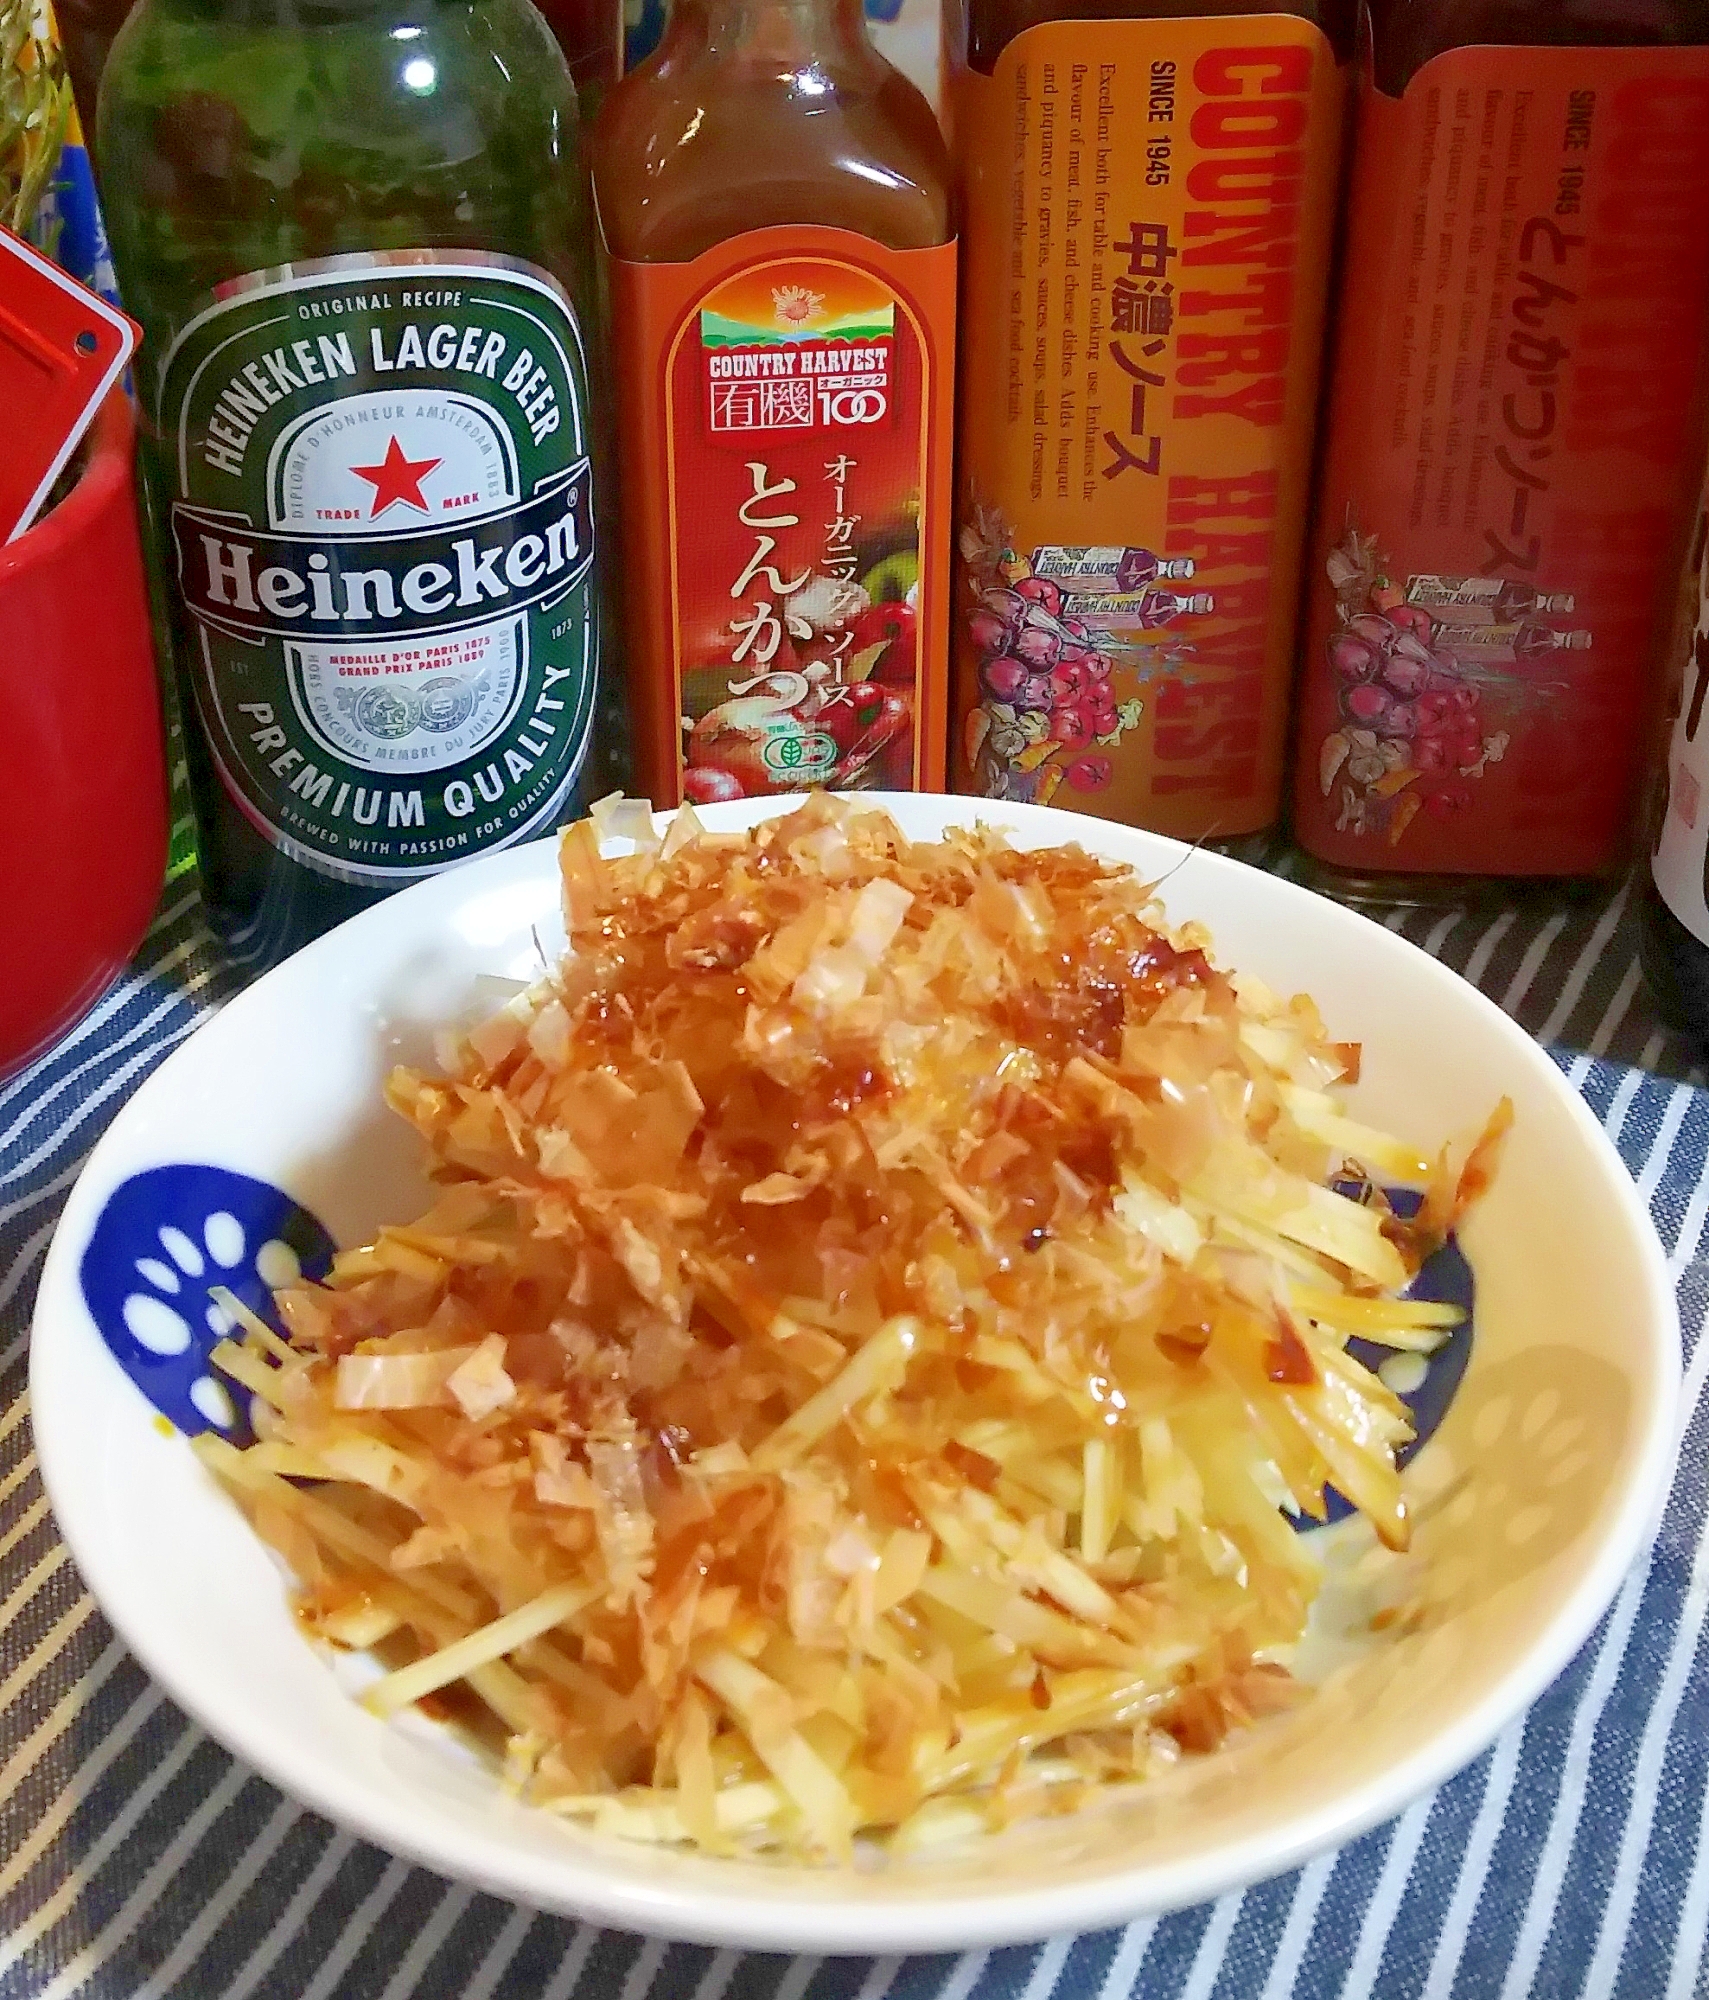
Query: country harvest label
(1512, 447)
(786, 513)
(383, 537)
(1147, 208)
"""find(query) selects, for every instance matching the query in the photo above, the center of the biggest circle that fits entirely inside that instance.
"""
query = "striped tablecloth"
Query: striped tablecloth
(139, 1862)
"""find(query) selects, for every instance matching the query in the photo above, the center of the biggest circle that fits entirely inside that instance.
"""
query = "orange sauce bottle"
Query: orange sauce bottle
(1511, 443)
(1148, 203)
(776, 204)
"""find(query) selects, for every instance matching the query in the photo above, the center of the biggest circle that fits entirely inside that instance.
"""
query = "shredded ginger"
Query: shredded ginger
(885, 1303)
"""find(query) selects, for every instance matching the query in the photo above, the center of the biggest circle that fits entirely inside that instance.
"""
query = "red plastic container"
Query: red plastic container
(83, 804)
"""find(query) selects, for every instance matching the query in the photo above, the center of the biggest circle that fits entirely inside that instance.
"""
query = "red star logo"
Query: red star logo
(396, 479)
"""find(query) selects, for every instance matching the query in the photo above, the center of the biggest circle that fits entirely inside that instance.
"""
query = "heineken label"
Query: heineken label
(382, 533)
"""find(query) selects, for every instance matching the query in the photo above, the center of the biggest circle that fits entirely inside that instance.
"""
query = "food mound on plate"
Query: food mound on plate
(885, 1301)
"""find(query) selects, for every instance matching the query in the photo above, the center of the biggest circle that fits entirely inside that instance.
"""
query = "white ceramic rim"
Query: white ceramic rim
(801, 1920)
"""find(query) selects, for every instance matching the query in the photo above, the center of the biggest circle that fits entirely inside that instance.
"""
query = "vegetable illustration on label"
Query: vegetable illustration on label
(1425, 705)
(1508, 437)
(1147, 207)
(1046, 648)
(800, 402)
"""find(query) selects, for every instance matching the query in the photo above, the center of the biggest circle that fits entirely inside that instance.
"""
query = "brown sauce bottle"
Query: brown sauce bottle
(1511, 442)
(1148, 206)
(776, 202)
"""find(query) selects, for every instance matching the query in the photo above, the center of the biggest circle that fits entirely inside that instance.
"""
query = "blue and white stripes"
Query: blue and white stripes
(137, 1862)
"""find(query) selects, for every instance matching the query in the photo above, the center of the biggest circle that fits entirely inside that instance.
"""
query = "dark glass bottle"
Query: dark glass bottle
(590, 33)
(357, 238)
(1515, 407)
(1673, 915)
(86, 32)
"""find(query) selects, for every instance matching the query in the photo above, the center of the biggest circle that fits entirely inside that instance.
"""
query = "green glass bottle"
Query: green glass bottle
(357, 236)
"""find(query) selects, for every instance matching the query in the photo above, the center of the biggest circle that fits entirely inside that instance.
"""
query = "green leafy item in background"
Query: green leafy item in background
(35, 110)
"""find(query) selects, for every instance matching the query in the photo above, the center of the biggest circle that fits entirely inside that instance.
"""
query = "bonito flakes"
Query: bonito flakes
(885, 1301)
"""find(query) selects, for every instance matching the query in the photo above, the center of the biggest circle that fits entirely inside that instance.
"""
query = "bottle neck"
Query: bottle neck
(797, 34)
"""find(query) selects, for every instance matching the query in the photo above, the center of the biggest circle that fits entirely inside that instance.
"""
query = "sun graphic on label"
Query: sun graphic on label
(396, 480)
(795, 305)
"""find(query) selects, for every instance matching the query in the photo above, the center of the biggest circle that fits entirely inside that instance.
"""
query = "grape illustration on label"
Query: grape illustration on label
(1048, 629)
(1433, 676)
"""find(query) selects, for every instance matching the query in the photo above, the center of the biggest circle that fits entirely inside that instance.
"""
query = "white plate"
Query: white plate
(1536, 1493)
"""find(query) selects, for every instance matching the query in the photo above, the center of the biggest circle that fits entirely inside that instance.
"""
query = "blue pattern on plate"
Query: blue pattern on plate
(1445, 1276)
(169, 1235)
(165, 1239)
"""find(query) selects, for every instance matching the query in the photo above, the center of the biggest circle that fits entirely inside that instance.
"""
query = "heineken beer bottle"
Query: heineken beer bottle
(357, 239)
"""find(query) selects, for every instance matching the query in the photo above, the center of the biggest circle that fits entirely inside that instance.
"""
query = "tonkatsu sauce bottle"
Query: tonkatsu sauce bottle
(1148, 202)
(1512, 440)
(775, 200)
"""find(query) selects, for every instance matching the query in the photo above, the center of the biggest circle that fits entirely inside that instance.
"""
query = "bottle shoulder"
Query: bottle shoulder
(1405, 35)
(248, 137)
(993, 24)
(687, 157)
(337, 72)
